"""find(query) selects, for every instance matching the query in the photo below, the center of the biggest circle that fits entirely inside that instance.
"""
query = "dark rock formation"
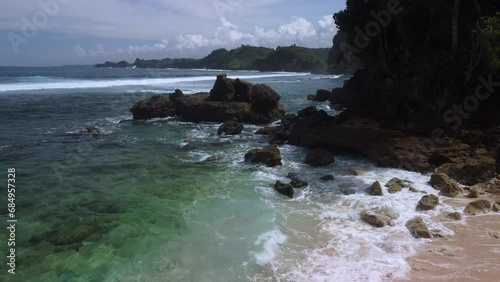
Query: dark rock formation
(228, 100)
(269, 156)
(375, 189)
(307, 111)
(478, 207)
(428, 202)
(418, 228)
(230, 127)
(319, 157)
(223, 89)
(322, 95)
(154, 107)
(284, 189)
(447, 186)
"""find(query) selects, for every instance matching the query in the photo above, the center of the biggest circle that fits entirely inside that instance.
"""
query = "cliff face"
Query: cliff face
(423, 61)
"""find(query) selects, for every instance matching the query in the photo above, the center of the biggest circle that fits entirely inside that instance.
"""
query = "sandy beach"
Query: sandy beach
(471, 254)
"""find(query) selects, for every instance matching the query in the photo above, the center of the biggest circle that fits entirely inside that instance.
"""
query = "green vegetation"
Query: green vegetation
(486, 38)
(246, 57)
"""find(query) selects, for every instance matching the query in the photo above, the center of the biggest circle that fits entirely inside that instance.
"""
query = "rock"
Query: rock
(495, 207)
(284, 189)
(355, 172)
(478, 207)
(455, 216)
(230, 128)
(328, 177)
(418, 228)
(348, 191)
(338, 96)
(446, 185)
(311, 97)
(176, 95)
(322, 95)
(264, 98)
(269, 156)
(319, 157)
(473, 194)
(243, 90)
(337, 107)
(223, 89)
(278, 138)
(91, 131)
(375, 189)
(374, 220)
(268, 131)
(154, 107)
(472, 170)
(307, 111)
(296, 181)
(395, 185)
(379, 217)
(428, 202)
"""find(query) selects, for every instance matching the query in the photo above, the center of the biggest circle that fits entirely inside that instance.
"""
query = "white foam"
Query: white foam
(270, 243)
(85, 84)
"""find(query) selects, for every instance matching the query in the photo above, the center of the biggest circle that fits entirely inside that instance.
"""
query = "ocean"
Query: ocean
(168, 200)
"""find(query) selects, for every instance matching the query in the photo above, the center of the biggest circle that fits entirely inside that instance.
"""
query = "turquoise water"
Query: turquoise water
(140, 203)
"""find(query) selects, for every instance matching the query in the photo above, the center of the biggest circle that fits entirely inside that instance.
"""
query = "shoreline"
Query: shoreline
(471, 254)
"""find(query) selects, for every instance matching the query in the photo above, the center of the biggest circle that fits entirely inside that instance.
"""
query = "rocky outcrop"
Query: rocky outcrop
(446, 185)
(478, 207)
(307, 111)
(284, 189)
(327, 178)
(297, 182)
(375, 189)
(154, 107)
(230, 127)
(228, 100)
(418, 228)
(319, 157)
(322, 95)
(428, 202)
(395, 185)
(269, 156)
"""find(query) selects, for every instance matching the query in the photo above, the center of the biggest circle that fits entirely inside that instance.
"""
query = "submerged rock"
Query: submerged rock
(319, 157)
(478, 207)
(454, 216)
(355, 172)
(284, 189)
(230, 128)
(428, 202)
(418, 228)
(446, 185)
(379, 217)
(375, 189)
(395, 185)
(91, 131)
(328, 177)
(348, 191)
(269, 156)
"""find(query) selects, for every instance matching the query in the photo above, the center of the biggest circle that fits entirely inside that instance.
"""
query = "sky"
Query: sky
(63, 32)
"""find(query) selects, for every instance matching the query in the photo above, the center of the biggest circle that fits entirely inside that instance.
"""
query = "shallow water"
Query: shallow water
(139, 202)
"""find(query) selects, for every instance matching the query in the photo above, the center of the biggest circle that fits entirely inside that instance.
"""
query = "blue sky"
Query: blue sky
(56, 32)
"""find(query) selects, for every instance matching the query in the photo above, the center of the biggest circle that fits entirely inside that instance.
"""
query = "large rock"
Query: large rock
(223, 89)
(428, 202)
(418, 228)
(375, 189)
(269, 156)
(322, 95)
(243, 90)
(379, 217)
(478, 207)
(395, 185)
(307, 111)
(230, 128)
(446, 185)
(319, 157)
(264, 98)
(154, 107)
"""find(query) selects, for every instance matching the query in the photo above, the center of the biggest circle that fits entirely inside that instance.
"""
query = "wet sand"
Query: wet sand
(472, 254)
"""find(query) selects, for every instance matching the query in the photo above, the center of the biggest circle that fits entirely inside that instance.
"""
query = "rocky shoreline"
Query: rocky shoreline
(459, 168)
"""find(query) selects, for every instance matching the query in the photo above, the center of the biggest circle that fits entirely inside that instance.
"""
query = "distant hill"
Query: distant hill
(246, 57)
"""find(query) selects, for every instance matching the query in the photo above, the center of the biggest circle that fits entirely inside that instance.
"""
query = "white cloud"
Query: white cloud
(298, 29)
(162, 45)
(80, 52)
